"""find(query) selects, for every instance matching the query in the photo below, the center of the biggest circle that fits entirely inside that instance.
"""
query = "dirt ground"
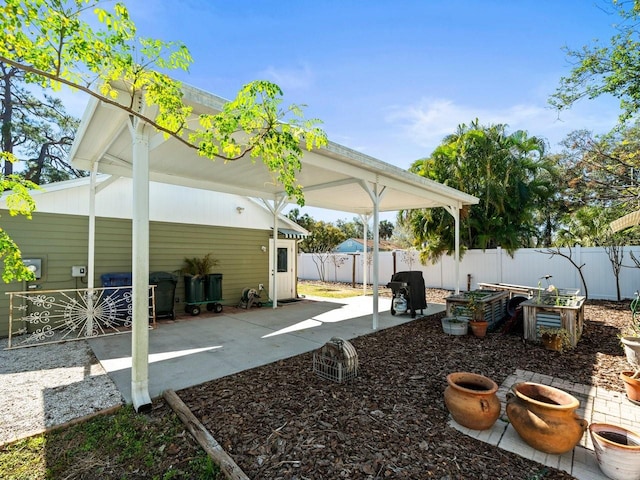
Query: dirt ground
(281, 421)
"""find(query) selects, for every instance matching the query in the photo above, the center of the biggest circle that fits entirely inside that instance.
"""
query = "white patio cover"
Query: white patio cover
(111, 141)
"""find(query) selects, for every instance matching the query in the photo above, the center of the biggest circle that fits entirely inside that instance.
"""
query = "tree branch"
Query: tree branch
(129, 110)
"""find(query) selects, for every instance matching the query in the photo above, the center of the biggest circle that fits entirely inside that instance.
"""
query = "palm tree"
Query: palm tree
(509, 173)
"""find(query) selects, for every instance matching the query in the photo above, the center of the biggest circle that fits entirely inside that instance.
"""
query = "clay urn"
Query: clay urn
(471, 399)
(545, 417)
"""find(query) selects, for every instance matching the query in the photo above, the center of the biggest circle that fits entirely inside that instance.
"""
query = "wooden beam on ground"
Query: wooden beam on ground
(230, 469)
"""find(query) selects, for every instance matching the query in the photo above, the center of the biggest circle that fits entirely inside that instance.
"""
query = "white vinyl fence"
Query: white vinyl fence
(526, 267)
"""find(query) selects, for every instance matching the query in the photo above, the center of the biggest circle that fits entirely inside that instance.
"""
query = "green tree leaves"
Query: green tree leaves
(611, 69)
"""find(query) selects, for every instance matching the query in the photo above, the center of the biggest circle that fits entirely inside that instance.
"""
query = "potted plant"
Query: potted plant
(455, 325)
(195, 270)
(476, 309)
(555, 338)
(199, 266)
(631, 379)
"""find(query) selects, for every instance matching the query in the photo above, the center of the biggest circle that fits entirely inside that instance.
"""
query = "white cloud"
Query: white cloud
(299, 78)
(428, 121)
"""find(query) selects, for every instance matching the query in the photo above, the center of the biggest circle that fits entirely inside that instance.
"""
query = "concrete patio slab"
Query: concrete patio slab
(194, 350)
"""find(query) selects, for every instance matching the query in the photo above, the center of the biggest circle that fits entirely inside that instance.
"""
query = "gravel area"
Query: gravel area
(49, 385)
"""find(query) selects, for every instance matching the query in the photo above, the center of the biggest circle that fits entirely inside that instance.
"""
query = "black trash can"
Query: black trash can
(165, 293)
(118, 300)
(213, 286)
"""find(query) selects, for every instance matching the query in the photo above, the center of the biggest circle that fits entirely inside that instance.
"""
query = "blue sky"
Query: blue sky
(392, 78)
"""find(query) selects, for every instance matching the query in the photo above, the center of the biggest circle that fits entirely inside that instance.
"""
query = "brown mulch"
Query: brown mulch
(281, 421)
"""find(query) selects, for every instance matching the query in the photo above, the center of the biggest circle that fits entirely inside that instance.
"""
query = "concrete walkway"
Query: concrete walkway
(194, 350)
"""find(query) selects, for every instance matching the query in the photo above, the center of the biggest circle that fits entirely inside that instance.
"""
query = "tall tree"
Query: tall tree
(352, 229)
(37, 130)
(57, 42)
(607, 69)
(601, 179)
(509, 173)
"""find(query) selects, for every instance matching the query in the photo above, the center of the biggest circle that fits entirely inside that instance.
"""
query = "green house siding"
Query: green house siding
(61, 241)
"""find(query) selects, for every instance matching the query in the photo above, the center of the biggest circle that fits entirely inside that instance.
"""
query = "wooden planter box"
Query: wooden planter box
(570, 317)
(494, 305)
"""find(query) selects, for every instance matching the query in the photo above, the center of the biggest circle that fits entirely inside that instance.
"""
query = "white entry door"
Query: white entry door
(285, 269)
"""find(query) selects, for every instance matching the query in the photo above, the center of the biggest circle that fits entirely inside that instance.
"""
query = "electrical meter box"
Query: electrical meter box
(78, 271)
(35, 265)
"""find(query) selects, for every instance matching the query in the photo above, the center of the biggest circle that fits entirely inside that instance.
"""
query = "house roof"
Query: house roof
(167, 203)
(384, 245)
(332, 176)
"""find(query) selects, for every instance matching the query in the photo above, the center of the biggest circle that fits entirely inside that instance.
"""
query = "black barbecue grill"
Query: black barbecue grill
(409, 285)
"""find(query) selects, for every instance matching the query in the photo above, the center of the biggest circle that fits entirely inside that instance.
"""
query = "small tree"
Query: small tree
(616, 256)
(337, 261)
(556, 251)
(320, 243)
(409, 257)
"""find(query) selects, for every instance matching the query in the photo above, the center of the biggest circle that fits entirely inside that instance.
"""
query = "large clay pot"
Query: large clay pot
(617, 451)
(632, 386)
(544, 417)
(471, 399)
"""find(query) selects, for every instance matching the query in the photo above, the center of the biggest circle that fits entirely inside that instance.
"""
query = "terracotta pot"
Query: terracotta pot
(632, 350)
(479, 329)
(544, 417)
(632, 386)
(617, 451)
(471, 399)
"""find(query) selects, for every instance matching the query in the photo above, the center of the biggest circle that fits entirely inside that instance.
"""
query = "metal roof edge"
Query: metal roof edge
(373, 164)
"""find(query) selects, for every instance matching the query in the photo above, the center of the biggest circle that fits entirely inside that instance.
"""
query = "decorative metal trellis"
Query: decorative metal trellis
(39, 317)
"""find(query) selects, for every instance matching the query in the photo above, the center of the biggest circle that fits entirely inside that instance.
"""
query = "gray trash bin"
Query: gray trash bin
(165, 293)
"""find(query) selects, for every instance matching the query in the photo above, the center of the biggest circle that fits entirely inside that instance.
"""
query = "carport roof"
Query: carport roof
(333, 177)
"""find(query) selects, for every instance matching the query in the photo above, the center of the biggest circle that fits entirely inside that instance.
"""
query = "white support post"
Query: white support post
(376, 195)
(454, 210)
(279, 203)
(140, 271)
(365, 253)
(91, 249)
(376, 254)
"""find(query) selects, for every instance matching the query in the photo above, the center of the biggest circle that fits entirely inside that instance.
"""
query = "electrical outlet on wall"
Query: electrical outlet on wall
(261, 286)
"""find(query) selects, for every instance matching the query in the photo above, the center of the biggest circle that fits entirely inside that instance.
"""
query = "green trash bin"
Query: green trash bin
(165, 293)
(193, 289)
(213, 287)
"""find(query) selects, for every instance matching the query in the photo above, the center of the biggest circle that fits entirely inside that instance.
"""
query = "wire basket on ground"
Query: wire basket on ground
(337, 361)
